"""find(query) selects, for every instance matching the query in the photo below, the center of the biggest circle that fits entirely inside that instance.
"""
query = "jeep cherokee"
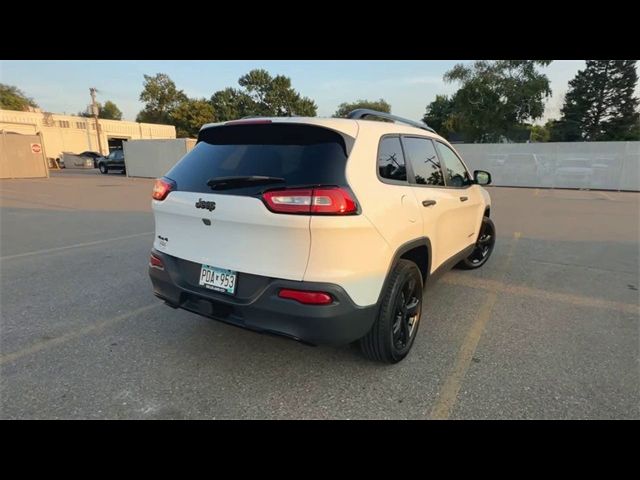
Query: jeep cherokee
(324, 230)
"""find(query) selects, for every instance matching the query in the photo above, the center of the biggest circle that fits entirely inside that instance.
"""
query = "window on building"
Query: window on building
(81, 125)
(63, 123)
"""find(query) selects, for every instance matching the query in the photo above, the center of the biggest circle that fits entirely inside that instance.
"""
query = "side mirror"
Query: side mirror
(481, 177)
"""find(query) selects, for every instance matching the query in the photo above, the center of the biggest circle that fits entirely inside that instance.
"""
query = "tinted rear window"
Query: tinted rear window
(301, 154)
(424, 161)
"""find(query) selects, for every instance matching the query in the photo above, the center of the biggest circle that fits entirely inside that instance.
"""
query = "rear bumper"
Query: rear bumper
(258, 307)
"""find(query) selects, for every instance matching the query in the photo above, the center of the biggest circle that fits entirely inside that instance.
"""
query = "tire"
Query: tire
(398, 318)
(103, 168)
(483, 248)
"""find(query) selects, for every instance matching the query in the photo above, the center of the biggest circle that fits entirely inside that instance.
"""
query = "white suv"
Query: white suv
(324, 230)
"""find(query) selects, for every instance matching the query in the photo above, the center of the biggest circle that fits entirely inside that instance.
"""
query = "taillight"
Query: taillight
(155, 262)
(289, 201)
(310, 201)
(306, 297)
(336, 201)
(161, 188)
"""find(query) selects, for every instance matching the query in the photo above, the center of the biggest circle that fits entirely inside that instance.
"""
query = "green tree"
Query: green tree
(497, 98)
(274, 96)
(190, 115)
(87, 114)
(110, 111)
(600, 104)
(540, 133)
(557, 132)
(261, 95)
(231, 104)
(439, 115)
(161, 97)
(379, 105)
(12, 98)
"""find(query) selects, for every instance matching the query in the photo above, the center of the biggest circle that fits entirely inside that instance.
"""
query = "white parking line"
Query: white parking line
(77, 245)
(605, 195)
(73, 334)
(448, 394)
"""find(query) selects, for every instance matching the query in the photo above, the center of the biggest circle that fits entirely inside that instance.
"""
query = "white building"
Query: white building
(71, 133)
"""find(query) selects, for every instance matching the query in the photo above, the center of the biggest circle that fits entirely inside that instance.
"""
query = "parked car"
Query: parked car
(114, 161)
(323, 230)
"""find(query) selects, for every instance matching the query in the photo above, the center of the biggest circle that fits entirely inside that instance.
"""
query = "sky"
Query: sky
(63, 86)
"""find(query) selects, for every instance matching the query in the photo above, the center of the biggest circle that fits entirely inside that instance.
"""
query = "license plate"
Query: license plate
(218, 279)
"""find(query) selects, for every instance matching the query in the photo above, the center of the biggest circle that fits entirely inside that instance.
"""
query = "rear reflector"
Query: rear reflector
(306, 297)
(155, 262)
(323, 200)
(162, 188)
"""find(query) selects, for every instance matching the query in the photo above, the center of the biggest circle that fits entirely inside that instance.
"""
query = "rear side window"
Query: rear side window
(300, 154)
(424, 161)
(457, 175)
(391, 163)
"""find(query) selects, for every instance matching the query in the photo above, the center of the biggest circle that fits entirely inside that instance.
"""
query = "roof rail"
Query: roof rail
(361, 113)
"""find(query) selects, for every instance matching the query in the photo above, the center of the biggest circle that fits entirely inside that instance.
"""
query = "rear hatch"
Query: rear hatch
(215, 213)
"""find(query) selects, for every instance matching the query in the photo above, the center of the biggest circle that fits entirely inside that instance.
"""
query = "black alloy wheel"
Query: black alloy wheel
(407, 314)
(483, 248)
(394, 330)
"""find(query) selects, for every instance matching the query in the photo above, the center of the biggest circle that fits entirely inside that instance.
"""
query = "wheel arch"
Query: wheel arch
(418, 251)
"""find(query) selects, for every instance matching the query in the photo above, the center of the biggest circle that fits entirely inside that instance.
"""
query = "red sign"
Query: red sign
(36, 148)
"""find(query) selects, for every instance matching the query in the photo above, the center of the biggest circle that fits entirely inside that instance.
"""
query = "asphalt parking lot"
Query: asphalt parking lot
(548, 329)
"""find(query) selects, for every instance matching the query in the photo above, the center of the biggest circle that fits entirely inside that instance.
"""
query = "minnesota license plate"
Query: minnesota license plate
(218, 279)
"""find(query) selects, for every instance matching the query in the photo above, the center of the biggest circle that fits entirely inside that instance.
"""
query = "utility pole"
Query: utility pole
(94, 110)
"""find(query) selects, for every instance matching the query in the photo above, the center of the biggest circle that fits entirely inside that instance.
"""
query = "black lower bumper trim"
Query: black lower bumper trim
(338, 323)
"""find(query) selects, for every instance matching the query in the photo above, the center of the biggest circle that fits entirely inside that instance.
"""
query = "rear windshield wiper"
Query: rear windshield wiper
(221, 183)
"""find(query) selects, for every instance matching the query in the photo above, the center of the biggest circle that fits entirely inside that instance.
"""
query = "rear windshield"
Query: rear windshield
(300, 154)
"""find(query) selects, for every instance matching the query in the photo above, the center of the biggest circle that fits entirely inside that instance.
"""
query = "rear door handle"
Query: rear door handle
(428, 203)
(464, 199)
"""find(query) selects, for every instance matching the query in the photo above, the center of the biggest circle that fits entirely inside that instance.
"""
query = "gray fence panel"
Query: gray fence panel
(154, 158)
(589, 165)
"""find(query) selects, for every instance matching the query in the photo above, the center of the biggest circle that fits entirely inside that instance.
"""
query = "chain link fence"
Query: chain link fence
(587, 165)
